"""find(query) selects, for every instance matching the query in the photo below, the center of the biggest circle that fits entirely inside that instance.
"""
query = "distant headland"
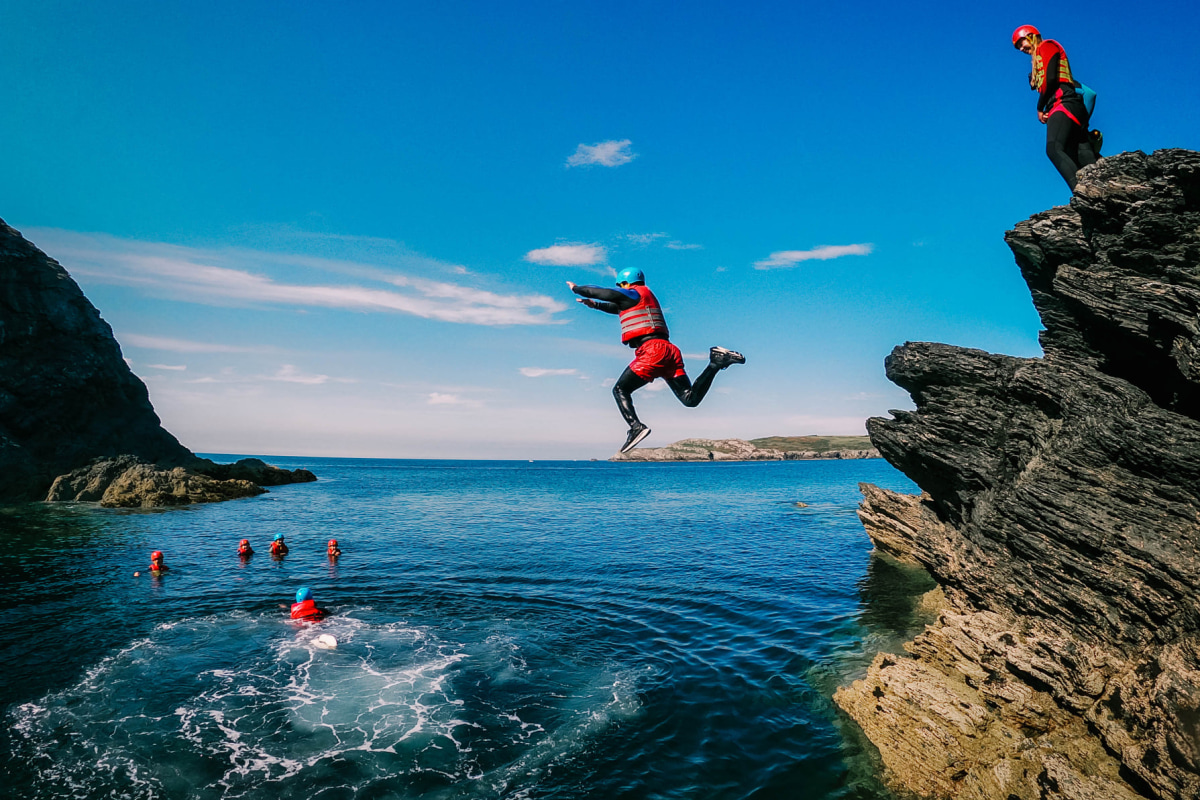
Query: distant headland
(771, 448)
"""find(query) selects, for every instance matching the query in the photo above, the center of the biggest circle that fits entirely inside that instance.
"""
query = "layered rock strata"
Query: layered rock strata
(733, 450)
(68, 399)
(1061, 516)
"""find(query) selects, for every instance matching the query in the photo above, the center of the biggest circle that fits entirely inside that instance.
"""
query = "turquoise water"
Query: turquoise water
(506, 630)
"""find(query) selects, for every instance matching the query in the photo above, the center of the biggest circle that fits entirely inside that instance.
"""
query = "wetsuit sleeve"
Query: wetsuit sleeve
(612, 301)
(1050, 85)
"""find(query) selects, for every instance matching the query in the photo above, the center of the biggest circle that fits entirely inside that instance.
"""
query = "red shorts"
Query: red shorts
(657, 358)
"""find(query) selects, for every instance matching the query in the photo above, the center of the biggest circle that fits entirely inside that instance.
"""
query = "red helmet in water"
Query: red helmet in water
(1023, 32)
(156, 555)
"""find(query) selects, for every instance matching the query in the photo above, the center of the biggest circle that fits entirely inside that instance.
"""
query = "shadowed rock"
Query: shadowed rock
(1061, 514)
(68, 402)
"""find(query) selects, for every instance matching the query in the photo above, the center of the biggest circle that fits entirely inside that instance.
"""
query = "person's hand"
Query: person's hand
(1042, 117)
(587, 301)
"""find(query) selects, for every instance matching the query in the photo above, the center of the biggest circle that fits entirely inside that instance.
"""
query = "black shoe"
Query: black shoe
(636, 434)
(722, 358)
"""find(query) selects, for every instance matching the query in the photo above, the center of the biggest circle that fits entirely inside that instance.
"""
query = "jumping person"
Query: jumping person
(644, 328)
(1060, 108)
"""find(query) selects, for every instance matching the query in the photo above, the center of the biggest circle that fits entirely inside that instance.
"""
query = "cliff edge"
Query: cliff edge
(1061, 516)
(70, 404)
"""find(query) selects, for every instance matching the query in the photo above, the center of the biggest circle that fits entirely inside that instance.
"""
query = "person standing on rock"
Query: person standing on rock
(1060, 108)
(644, 328)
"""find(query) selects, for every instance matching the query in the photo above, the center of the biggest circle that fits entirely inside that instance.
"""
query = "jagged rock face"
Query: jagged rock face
(66, 394)
(1062, 510)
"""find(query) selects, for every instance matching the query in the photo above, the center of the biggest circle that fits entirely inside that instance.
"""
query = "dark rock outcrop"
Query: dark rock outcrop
(1061, 515)
(66, 395)
(129, 482)
(71, 407)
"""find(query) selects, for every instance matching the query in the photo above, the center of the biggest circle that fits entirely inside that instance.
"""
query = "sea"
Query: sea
(505, 629)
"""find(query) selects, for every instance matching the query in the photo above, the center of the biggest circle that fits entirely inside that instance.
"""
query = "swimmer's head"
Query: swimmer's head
(303, 593)
(244, 543)
(333, 544)
(279, 537)
(156, 555)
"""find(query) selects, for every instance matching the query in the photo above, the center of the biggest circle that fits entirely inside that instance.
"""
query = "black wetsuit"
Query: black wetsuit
(614, 301)
(1068, 145)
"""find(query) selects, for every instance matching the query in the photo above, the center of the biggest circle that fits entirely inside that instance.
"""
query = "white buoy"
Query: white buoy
(325, 642)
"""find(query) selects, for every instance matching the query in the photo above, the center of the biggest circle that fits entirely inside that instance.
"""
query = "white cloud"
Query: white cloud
(175, 367)
(289, 374)
(570, 254)
(539, 372)
(183, 345)
(607, 154)
(682, 246)
(644, 239)
(446, 399)
(790, 258)
(237, 278)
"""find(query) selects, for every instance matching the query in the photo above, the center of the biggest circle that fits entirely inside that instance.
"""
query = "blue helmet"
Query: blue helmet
(278, 536)
(630, 275)
(303, 593)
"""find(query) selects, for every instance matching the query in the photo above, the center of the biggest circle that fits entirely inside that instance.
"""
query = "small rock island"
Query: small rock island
(75, 422)
(1060, 515)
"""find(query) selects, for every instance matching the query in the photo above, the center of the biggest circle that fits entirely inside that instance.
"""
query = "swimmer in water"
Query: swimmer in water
(305, 607)
(278, 548)
(157, 567)
(333, 550)
(244, 548)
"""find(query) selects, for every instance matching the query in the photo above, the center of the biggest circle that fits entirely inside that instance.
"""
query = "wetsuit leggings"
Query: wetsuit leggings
(1068, 147)
(690, 394)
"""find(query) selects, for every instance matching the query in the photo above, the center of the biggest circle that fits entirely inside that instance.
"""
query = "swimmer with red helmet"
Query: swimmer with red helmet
(644, 328)
(157, 567)
(333, 550)
(278, 548)
(305, 607)
(1060, 108)
(244, 548)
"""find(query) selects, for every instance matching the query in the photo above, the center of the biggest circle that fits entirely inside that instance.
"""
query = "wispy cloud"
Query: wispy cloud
(569, 254)
(238, 278)
(541, 372)
(289, 374)
(174, 367)
(607, 154)
(446, 399)
(790, 258)
(682, 246)
(184, 346)
(644, 239)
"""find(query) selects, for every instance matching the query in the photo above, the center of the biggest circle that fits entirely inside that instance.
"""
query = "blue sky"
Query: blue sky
(346, 229)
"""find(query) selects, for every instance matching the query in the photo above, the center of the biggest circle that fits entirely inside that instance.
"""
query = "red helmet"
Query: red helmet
(156, 555)
(1024, 31)
(244, 543)
(333, 542)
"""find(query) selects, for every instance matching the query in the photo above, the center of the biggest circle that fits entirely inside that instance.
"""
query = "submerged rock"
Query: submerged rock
(1061, 514)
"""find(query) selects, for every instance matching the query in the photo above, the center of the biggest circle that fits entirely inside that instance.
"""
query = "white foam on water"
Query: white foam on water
(239, 705)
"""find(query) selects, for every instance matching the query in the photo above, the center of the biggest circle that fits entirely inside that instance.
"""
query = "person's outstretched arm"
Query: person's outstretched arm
(610, 301)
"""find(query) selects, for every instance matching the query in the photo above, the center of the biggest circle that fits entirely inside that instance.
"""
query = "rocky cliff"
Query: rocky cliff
(1060, 515)
(67, 398)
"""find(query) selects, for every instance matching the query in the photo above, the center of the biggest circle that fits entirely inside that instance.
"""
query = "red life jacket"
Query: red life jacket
(644, 318)
(307, 609)
(1041, 59)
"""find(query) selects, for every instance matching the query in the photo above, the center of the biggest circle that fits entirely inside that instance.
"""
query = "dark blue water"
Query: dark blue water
(506, 630)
